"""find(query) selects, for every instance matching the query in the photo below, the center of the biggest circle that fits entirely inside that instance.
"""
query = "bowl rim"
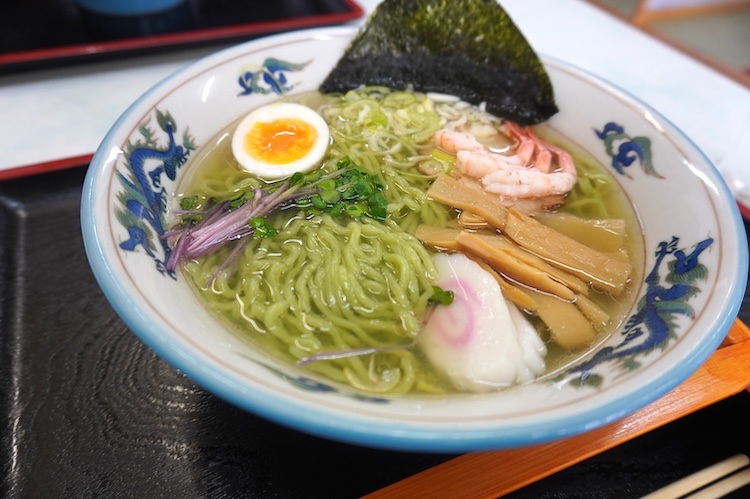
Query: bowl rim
(347, 427)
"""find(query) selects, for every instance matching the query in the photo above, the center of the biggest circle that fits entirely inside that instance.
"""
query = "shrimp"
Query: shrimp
(536, 168)
(526, 144)
(451, 141)
(480, 163)
(531, 183)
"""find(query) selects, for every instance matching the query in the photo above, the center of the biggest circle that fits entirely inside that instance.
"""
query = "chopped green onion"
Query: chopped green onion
(378, 206)
(441, 296)
(327, 185)
(262, 228)
(189, 203)
(338, 209)
(356, 210)
(443, 156)
(349, 191)
(317, 202)
(330, 196)
(364, 188)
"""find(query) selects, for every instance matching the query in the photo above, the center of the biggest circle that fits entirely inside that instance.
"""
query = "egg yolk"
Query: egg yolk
(281, 141)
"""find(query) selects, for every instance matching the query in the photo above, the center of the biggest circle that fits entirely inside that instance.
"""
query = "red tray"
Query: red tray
(38, 34)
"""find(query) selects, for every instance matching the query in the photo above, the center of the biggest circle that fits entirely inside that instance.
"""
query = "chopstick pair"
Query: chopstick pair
(715, 481)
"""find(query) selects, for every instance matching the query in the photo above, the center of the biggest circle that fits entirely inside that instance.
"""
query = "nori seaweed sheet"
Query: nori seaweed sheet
(467, 48)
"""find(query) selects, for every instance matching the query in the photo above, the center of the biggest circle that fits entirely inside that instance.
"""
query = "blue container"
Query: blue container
(128, 7)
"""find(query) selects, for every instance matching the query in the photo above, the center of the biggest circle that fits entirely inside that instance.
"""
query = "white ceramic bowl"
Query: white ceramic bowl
(689, 217)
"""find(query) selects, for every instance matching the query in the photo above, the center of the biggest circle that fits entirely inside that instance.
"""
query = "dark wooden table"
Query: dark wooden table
(87, 410)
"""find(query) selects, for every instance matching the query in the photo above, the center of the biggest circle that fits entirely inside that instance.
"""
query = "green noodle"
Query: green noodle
(328, 284)
(317, 287)
(588, 199)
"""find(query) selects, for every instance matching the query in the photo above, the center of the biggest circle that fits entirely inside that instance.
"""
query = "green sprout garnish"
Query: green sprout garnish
(351, 191)
(208, 224)
(262, 229)
(441, 296)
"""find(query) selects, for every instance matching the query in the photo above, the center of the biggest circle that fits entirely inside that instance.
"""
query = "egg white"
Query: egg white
(275, 111)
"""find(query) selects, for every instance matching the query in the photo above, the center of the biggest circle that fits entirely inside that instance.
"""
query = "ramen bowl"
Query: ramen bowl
(693, 276)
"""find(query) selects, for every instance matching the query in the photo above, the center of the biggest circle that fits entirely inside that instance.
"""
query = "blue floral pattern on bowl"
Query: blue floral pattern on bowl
(268, 77)
(653, 325)
(144, 197)
(624, 149)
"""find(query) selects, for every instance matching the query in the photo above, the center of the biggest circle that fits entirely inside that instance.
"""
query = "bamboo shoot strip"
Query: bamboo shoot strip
(512, 292)
(445, 239)
(601, 270)
(451, 192)
(567, 325)
(571, 317)
(605, 235)
(438, 238)
(598, 317)
(498, 242)
(472, 221)
(517, 270)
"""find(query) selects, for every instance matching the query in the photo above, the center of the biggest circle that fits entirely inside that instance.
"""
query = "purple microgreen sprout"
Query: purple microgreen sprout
(348, 190)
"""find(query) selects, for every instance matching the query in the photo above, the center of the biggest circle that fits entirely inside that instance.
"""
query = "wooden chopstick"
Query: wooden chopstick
(494, 474)
(700, 479)
(723, 487)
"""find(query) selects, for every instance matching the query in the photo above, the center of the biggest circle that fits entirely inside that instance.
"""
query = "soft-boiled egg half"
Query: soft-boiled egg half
(280, 139)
